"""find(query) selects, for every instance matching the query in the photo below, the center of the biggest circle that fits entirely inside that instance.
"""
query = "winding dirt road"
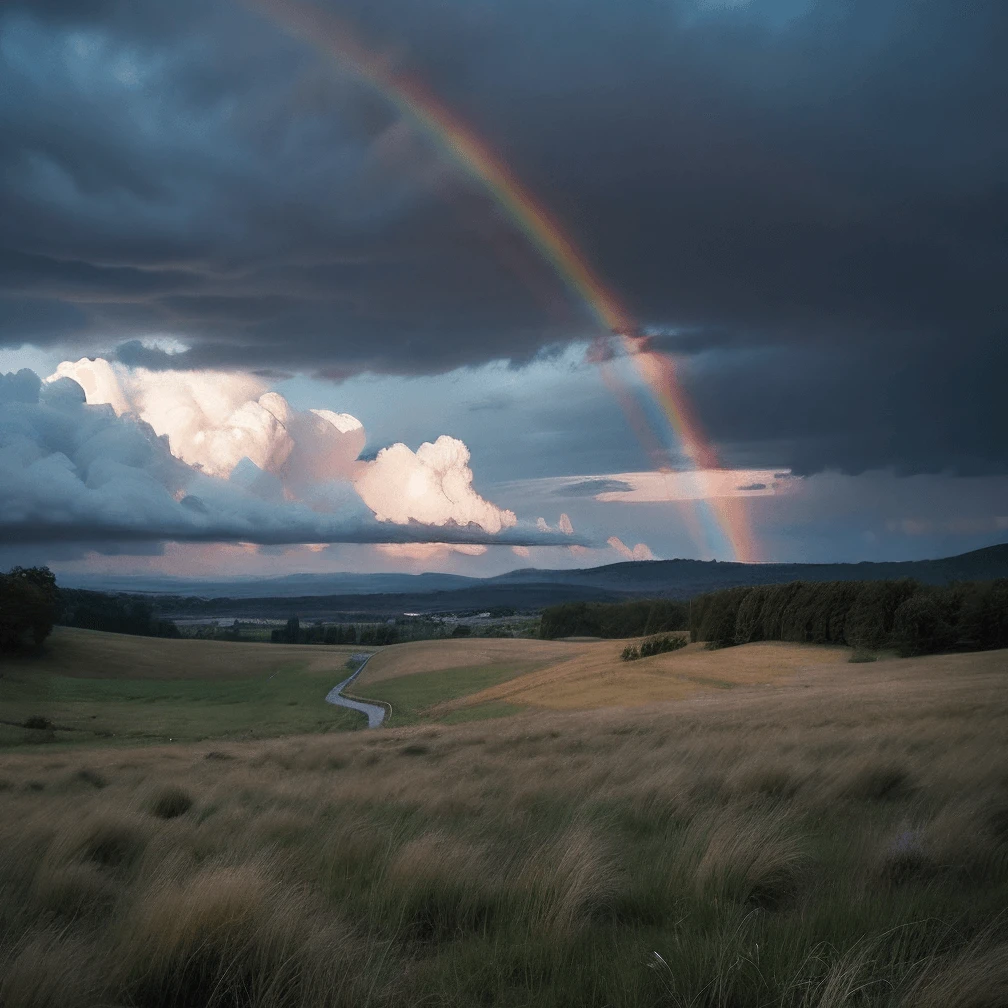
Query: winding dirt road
(375, 712)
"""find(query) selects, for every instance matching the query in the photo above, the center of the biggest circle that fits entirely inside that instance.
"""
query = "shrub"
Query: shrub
(653, 646)
(36, 721)
(860, 656)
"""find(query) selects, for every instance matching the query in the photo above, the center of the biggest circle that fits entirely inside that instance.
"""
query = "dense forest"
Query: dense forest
(910, 617)
(126, 614)
(613, 620)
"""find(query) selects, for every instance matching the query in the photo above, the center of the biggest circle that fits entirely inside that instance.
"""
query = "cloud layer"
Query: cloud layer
(185, 457)
(808, 207)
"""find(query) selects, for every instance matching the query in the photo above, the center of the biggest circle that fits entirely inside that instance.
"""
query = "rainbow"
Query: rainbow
(329, 35)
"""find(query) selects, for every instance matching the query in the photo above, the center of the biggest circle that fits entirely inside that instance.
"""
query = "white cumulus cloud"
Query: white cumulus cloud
(101, 452)
(640, 552)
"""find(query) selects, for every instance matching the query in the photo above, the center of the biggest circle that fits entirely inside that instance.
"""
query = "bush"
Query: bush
(38, 722)
(653, 646)
(859, 657)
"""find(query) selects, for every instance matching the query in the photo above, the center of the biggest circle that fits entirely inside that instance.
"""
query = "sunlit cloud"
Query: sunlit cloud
(101, 452)
(640, 552)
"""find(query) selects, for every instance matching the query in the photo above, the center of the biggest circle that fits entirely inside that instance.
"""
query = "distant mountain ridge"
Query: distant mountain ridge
(661, 575)
(286, 586)
(527, 588)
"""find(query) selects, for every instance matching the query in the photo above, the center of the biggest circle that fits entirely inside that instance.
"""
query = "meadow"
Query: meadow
(838, 836)
(98, 688)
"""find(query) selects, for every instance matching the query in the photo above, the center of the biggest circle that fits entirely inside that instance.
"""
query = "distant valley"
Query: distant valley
(524, 590)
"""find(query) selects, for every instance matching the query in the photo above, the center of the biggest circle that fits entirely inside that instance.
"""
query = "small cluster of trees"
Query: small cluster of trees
(613, 620)
(339, 633)
(911, 617)
(29, 602)
(653, 646)
(125, 614)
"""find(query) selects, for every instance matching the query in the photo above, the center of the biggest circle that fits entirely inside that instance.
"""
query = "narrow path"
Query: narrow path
(375, 712)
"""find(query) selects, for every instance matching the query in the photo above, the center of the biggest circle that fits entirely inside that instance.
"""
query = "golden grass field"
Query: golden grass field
(835, 837)
(436, 655)
(579, 675)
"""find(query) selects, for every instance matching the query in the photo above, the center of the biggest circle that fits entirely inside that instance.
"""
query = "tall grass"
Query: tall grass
(806, 848)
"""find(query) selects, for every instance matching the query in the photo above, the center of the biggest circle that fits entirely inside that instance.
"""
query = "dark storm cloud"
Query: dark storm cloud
(811, 210)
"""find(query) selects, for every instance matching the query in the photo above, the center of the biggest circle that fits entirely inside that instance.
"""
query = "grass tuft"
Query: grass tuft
(74, 890)
(753, 861)
(882, 781)
(170, 801)
(415, 749)
(106, 838)
(93, 778)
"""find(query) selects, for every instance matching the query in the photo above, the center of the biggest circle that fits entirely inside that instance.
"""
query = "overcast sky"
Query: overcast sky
(804, 202)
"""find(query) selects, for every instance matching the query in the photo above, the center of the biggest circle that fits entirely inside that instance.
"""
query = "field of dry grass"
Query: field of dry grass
(597, 677)
(579, 675)
(825, 840)
(465, 652)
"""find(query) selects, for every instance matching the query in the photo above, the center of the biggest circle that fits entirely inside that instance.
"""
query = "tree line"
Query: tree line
(911, 617)
(125, 614)
(613, 620)
(340, 633)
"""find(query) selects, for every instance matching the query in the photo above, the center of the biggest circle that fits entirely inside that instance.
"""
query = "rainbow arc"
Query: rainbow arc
(331, 36)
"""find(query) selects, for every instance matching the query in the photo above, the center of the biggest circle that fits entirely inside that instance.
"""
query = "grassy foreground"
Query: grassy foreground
(814, 844)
